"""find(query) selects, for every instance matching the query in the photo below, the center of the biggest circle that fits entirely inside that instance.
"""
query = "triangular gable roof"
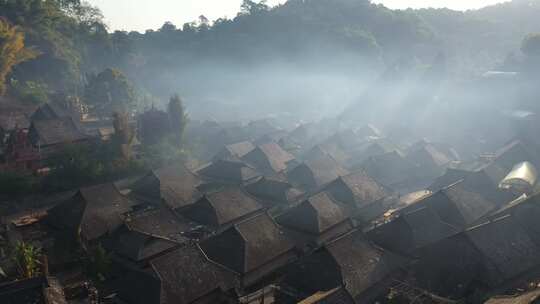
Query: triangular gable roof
(222, 207)
(316, 172)
(248, 245)
(325, 169)
(471, 205)
(96, 210)
(187, 275)
(451, 176)
(269, 158)
(507, 246)
(427, 227)
(231, 204)
(316, 215)
(362, 264)
(389, 168)
(428, 155)
(273, 189)
(456, 205)
(357, 189)
(56, 131)
(513, 153)
(228, 171)
(235, 151)
(175, 185)
(159, 223)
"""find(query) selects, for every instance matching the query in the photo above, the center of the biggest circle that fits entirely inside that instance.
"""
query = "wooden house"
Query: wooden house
(185, 275)
(315, 173)
(173, 186)
(254, 249)
(228, 172)
(151, 233)
(234, 151)
(91, 214)
(316, 221)
(352, 262)
(273, 191)
(269, 159)
(223, 207)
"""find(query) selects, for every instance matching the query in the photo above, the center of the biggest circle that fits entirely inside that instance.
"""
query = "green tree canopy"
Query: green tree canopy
(12, 51)
(110, 91)
(68, 33)
(178, 118)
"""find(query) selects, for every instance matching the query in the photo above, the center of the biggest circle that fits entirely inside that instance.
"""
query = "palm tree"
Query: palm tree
(27, 258)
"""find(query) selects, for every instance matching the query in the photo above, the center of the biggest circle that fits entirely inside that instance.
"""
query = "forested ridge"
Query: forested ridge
(354, 38)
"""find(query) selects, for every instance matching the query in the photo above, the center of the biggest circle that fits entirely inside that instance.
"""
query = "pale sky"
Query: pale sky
(151, 14)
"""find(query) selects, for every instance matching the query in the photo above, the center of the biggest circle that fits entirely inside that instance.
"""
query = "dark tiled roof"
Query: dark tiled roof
(388, 169)
(332, 149)
(223, 207)
(235, 151)
(317, 172)
(175, 185)
(160, 223)
(315, 215)
(427, 154)
(275, 136)
(187, 275)
(345, 139)
(56, 131)
(228, 171)
(456, 205)
(240, 149)
(261, 127)
(506, 246)
(249, 245)
(513, 153)
(138, 247)
(362, 265)
(451, 176)
(303, 133)
(97, 210)
(427, 227)
(450, 268)
(485, 181)
(471, 205)
(274, 190)
(364, 188)
(357, 189)
(376, 147)
(269, 158)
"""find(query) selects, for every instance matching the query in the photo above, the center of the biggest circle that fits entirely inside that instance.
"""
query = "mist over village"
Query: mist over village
(294, 152)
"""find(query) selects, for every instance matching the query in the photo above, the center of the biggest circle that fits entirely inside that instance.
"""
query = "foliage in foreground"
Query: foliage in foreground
(27, 258)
